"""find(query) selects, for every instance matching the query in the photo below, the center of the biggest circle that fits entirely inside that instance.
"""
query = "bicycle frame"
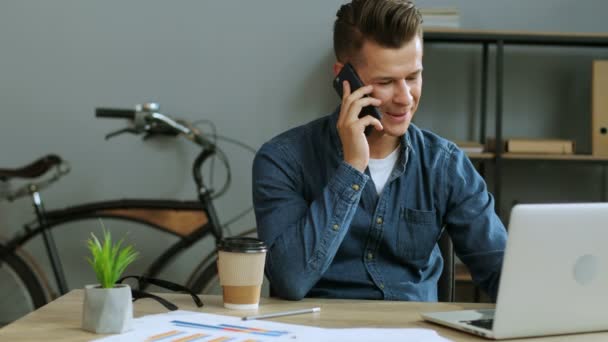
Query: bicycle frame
(124, 210)
(47, 220)
(49, 242)
(146, 120)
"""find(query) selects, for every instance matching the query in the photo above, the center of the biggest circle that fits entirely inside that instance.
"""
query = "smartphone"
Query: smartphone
(348, 74)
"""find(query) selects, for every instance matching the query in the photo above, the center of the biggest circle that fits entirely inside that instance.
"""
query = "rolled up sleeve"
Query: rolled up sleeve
(303, 235)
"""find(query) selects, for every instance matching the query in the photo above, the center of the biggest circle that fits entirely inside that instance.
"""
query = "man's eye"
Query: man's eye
(385, 82)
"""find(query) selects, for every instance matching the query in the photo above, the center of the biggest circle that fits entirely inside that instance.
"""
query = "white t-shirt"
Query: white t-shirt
(381, 169)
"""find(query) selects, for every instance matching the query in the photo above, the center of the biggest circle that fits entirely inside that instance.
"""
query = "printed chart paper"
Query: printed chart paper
(185, 326)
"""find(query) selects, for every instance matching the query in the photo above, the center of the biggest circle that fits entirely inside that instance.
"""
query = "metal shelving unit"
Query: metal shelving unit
(501, 39)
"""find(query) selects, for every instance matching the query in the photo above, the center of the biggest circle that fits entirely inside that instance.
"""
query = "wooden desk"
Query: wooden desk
(60, 320)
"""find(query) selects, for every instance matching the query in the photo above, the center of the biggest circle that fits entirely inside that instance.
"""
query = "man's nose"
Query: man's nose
(403, 93)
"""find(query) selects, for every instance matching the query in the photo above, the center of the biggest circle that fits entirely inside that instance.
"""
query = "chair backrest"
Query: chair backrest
(445, 285)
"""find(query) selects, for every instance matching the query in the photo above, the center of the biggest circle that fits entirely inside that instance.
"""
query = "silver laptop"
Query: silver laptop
(554, 277)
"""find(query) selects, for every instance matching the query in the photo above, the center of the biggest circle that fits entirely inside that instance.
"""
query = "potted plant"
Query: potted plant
(108, 307)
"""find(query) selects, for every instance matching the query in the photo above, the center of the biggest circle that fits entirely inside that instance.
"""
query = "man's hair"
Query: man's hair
(389, 23)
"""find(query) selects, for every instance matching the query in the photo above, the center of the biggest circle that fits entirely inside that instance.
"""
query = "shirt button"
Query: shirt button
(379, 220)
(381, 286)
(335, 227)
(370, 256)
(355, 187)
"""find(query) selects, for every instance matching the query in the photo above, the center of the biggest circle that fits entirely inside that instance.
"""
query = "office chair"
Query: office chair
(446, 283)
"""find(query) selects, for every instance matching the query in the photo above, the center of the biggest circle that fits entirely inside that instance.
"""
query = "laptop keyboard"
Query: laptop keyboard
(482, 323)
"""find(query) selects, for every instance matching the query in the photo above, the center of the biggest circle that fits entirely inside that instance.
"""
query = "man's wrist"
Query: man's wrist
(348, 182)
(358, 165)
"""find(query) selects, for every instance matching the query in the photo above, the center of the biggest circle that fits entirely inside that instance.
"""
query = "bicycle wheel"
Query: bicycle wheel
(20, 290)
(204, 279)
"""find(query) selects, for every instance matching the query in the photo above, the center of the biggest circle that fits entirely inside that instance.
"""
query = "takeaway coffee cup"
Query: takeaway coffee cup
(241, 269)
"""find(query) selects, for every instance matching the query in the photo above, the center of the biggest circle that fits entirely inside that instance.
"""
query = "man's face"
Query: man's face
(396, 75)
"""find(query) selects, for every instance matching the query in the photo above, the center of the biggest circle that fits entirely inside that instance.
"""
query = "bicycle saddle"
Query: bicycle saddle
(32, 170)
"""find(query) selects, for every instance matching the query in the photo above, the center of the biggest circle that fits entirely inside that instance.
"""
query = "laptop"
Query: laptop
(554, 277)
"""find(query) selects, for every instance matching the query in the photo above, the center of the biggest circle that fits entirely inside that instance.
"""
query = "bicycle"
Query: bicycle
(25, 287)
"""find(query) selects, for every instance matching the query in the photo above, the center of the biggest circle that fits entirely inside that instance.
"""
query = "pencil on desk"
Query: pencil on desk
(283, 313)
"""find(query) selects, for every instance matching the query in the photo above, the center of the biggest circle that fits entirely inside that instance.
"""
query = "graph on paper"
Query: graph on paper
(231, 328)
(184, 336)
(184, 326)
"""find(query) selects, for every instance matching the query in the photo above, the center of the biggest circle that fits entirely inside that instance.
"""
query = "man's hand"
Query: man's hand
(351, 128)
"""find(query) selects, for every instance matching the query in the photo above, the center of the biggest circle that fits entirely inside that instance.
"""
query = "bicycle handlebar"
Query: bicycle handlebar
(147, 119)
(115, 113)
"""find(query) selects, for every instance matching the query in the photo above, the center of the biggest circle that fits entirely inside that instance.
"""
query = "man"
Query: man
(347, 215)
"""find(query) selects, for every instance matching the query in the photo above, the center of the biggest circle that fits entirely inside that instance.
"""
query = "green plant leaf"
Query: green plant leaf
(109, 260)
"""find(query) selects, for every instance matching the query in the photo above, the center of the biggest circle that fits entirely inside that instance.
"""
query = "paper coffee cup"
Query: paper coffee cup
(241, 270)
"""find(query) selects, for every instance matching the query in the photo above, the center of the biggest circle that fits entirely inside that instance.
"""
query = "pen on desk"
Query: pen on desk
(280, 314)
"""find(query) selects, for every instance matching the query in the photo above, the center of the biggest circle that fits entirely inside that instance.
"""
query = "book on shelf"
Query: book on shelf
(440, 17)
(470, 146)
(541, 146)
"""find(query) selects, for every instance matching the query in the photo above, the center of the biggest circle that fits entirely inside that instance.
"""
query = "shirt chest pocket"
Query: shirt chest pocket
(417, 234)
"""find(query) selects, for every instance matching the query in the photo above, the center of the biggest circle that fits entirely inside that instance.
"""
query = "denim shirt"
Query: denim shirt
(331, 235)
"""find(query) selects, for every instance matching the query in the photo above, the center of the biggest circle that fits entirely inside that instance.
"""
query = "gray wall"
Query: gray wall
(254, 68)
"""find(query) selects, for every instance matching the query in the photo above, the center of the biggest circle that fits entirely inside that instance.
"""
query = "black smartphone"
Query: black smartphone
(348, 74)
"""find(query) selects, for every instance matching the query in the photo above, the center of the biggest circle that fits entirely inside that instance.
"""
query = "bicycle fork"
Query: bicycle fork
(49, 241)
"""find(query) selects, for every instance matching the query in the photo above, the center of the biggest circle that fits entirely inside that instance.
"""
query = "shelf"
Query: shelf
(515, 37)
(565, 157)
(493, 44)
(537, 156)
(484, 155)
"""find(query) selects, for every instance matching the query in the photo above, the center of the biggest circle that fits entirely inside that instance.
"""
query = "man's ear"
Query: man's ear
(337, 68)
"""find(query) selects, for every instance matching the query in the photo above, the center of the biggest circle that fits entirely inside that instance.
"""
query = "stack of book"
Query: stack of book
(440, 17)
(470, 146)
(540, 146)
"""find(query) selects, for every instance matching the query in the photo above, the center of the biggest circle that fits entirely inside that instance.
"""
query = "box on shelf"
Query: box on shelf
(541, 146)
(599, 107)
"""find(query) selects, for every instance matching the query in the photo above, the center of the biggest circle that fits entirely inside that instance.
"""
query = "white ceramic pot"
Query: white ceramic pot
(107, 311)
